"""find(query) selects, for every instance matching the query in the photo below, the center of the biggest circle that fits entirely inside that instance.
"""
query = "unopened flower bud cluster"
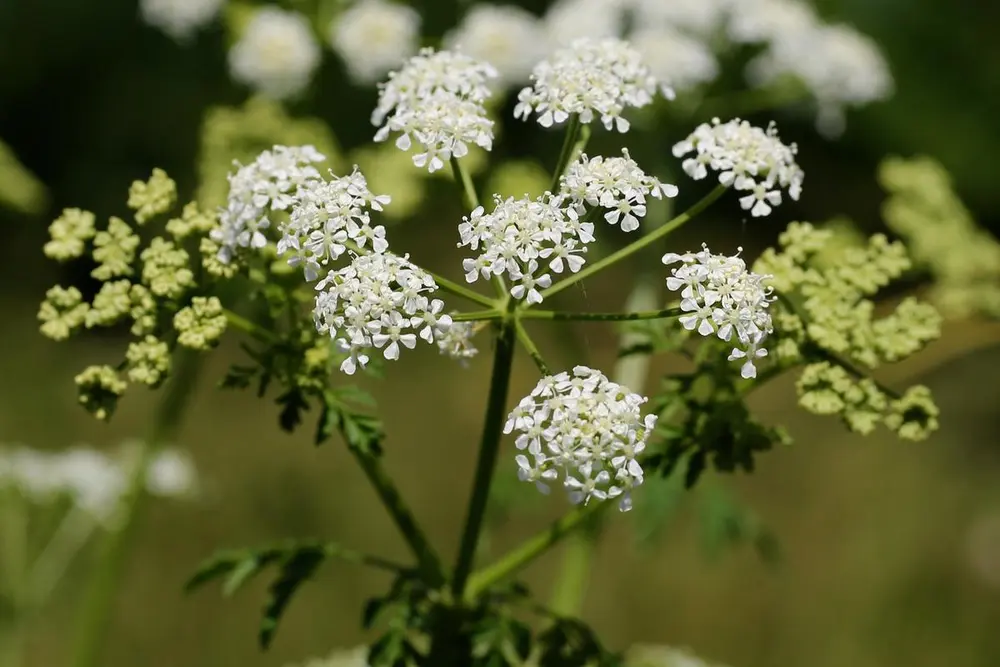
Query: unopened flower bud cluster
(942, 236)
(584, 430)
(150, 288)
(747, 159)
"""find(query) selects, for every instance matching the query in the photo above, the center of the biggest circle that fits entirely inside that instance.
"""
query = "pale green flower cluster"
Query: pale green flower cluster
(826, 319)
(943, 238)
(152, 288)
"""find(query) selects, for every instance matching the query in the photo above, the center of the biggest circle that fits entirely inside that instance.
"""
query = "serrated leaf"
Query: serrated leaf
(293, 403)
(659, 501)
(238, 377)
(299, 567)
(240, 574)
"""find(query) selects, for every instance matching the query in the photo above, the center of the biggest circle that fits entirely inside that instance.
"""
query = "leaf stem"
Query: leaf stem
(98, 604)
(253, 329)
(602, 317)
(531, 549)
(469, 196)
(638, 245)
(489, 449)
(577, 136)
(531, 348)
(478, 316)
(427, 558)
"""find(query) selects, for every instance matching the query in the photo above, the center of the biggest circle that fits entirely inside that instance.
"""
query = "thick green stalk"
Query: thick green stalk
(98, 604)
(427, 558)
(635, 247)
(531, 549)
(489, 448)
(602, 317)
(14, 560)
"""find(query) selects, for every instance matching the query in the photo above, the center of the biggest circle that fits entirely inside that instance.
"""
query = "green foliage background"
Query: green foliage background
(874, 567)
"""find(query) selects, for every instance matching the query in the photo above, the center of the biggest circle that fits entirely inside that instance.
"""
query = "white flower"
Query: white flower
(511, 39)
(325, 216)
(770, 20)
(95, 481)
(373, 36)
(584, 429)
(673, 57)
(699, 17)
(839, 66)
(456, 342)
(269, 183)
(569, 20)
(616, 184)
(525, 239)
(590, 78)
(746, 158)
(378, 301)
(171, 473)
(436, 100)
(723, 298)
(276, 54)
(179, 18)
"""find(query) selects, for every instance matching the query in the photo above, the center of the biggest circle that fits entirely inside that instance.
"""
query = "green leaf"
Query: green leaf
(293, 403)
(238, 377)
(295, 570)
(361, 431)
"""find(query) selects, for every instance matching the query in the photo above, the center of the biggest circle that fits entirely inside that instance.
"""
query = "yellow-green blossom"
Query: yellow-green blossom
(148, 361)
(242, 133)
(827, 389)
(111, 303)
(914, 416)
(155, 196)
(200, 325)
(62, 311)
(69, 234)
(943, 237)
(518, 178)
(193, 220)
(99, 389)
(210, 261)
(114, 250)
(165, 269)
(143, 310)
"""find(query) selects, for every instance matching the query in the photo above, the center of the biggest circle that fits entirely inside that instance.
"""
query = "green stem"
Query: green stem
(478, 316)
(427, 558)
(531, 348)
(576, 139)
(14, 561)
(602, 317)
(635, 247)
(574, 573)
(252, 329)
(98, 604)
(489, 449)
(67, 540)
(469, 196)
(531, 549)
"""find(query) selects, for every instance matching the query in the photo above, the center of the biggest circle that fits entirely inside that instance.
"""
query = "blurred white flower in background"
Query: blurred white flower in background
(276, 55)
(171, 474)
(355, 657)
(374, 37)
(770, 20)
(179, 18)
(511, 39)
(569, 20)
(698, 17)
(681, 61)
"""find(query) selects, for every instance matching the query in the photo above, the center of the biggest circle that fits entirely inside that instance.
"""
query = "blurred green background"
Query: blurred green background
(877, 567)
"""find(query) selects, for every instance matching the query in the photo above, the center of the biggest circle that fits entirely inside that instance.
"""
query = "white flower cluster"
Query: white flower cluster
(615, 183)
(508, 37)
(373, 36)
(325, 216)
(747, 158)
(456, 342)
(381, 301)
(525, 238)
(683, 61)
(179, 18)
(276, 55)
(585, 429)
(436, 100)
(723, 298)
(840, 67)
(569, 20)
(592, 77)
(91, 479)
(269, 183)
